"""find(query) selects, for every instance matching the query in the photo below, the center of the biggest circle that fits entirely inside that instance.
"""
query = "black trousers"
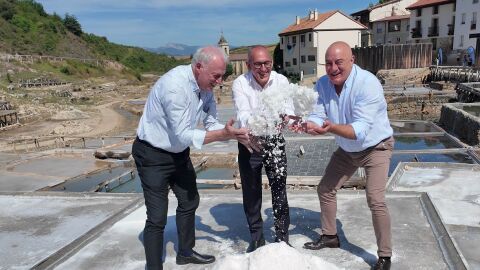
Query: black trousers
(159, 170)
(274, 159)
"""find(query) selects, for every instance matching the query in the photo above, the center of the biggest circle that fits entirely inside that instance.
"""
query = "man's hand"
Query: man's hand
(256, 143)
(240, 134)
(314, 129)
(295, 123)
(243, 136)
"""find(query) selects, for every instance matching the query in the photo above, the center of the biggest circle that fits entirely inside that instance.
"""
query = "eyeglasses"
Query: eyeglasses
(267, 64)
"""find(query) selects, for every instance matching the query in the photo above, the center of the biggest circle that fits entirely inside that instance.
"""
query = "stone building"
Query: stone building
(387, 23)
(305, 42)
(237, 60)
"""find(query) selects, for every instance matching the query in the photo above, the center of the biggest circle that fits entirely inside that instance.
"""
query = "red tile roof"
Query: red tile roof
(429, 3)
(308, 24)
(393, 18)
(374, 7)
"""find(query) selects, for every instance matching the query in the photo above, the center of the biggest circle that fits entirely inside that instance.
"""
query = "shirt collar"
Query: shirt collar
(191, 79)
(252, 80)
(351, 77)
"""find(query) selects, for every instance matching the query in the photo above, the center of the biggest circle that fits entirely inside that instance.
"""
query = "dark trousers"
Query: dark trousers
(159, 170)
(274, 159)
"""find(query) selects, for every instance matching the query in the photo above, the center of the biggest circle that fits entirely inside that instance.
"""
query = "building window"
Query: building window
(463, 18)
(310, 37)
(475, 2)
(434, 43)
(408, 27)
(302, 58)
(473, 25)
(419, 12)
(394, 26)
(294, 61)
(281, 40)
(294, 40)
(287, 64)
(417, 31)
(461, 41)
(435, 10)
(302, 38)
(379, 29)
(311, 58)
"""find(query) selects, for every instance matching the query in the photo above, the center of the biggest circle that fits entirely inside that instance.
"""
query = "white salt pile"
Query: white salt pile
(292, 99)
(275, 256)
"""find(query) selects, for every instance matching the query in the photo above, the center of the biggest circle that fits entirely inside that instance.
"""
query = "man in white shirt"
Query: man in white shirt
(161, 150)
(351, 105)
(245, 94)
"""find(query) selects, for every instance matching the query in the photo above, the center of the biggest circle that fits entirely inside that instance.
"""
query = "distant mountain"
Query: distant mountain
(175, 49)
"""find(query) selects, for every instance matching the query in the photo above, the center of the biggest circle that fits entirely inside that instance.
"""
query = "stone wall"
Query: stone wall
(461, 123)
(419, 105)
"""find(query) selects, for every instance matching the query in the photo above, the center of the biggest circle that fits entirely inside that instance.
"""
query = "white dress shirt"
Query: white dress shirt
(173, 110)
(245, 94)
(361, 104)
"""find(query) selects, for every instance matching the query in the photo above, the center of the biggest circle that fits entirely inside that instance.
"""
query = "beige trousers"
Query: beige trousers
(342, 166)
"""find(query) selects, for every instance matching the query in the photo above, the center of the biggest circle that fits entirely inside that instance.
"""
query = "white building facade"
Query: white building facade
(433, 21)
(375, 17)
(466, 25)
(391, 30)
(305, 42)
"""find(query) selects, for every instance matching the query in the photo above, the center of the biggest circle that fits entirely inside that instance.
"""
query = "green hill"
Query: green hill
(25, 28)
(244, 49)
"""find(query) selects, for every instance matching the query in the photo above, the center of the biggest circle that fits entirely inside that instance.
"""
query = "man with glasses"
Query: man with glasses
(251, 159)
(161, 150)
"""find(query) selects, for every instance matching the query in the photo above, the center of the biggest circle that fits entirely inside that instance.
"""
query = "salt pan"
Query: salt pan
(275, 256)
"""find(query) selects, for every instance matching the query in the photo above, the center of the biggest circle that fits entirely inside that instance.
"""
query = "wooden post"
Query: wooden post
(477, 56)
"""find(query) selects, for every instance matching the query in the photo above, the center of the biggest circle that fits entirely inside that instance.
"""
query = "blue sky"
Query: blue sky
(154, 23)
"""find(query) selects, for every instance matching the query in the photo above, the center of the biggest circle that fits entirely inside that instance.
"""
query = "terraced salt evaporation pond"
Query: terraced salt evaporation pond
(473, 110)
(94, 181)
(135, 185)
(126, 180)
(409, 127)
(407, 142)
(460, 157)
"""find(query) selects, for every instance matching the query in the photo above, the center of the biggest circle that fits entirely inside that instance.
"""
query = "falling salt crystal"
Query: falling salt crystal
(294, 98)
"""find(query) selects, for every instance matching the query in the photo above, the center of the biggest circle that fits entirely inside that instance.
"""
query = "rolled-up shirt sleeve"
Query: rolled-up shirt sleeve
(318, 115)
(366, 107)
(198, 138)
(178, 111)
(242, 105)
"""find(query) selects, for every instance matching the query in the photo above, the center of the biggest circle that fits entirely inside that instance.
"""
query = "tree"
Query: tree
(228, 71)
(7, 10)
(277, 58)
(72, 24)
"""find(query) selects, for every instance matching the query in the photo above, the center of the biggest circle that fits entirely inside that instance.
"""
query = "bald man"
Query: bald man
(351, 105)
(246, 88)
